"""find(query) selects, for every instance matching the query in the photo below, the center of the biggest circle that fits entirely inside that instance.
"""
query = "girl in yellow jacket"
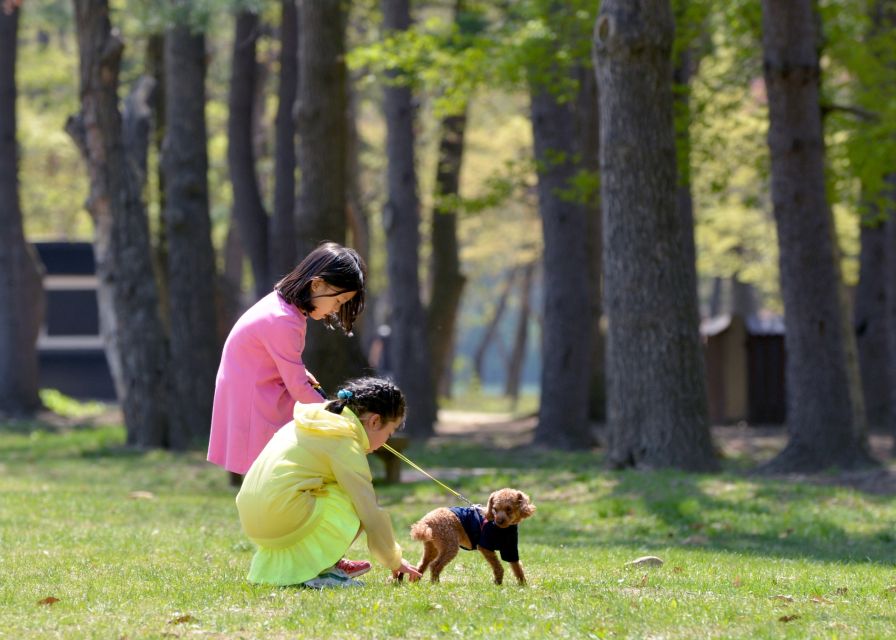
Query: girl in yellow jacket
(309, 493)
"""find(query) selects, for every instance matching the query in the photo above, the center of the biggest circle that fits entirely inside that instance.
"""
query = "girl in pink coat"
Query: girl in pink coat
(261, 376)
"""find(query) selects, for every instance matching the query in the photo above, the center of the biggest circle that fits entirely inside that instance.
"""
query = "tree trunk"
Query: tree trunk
(447, 279)
(248, 210)
(155, 68)
(870, 321)
(21, 290)
(656, 394)
(589, 135)
(565, 371)
(491, 330)
(401, 219)
(521, 335)
(823, 409)
(282, 240)
(129, 321)
(191, 258)
(321, 204)
(890, 279)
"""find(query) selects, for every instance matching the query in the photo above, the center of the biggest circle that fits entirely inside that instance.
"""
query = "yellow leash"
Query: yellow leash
(404, 458)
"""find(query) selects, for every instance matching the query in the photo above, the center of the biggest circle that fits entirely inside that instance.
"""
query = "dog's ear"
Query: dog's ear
(489, 508)
(525, 506)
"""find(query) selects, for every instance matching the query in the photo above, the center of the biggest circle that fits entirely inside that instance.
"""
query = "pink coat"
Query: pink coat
(260, 379)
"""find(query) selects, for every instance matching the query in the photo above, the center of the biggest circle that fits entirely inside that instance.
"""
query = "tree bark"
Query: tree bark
(21, 291)
(321, 207)
(129, 321)
(824, 409)
(282, 240)
(565, 371)
(155, 69)
(656, 394)
(191, 258)
(248, 210)
(401, 219)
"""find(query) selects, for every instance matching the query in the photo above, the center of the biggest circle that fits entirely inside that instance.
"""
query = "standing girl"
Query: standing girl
(309, 493)
(261, 376)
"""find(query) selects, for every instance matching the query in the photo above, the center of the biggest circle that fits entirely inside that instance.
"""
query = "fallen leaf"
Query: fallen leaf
(782, 597)
(677, 569)
(697, 539)
(141, 495)
(645, 561)
(183, 619)
(842, 591)
(644, 580)
(788, 618)
(820, 600)
(48, 601)
(891, 588)
(736, 582)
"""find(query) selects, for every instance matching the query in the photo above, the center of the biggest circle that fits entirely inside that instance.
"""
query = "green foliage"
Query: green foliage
(148, 545)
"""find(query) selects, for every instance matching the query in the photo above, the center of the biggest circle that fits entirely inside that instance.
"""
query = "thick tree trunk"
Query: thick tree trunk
(155, 69)
(401, 219)
(890, 279)
(823, 410)
(870, 321)
(21, 290)
(565, 372)
(656, 394)
(282, 239)
(447, 279)
(129, 321)
(521, 335)
(248, 210)
(191, 258)
(321, 204)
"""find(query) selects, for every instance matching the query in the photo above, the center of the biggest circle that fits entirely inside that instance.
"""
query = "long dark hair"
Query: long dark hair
(341, 268)
(376, 395)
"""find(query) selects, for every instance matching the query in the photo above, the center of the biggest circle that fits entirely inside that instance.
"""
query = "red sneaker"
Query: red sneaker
(353, 568)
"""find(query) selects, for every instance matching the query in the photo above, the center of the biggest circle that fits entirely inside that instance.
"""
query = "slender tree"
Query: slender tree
(127, 295)
(521, 335)
(824, 407)
(282, 240)
(563, 410)
(656, 395)
(191, 259)
(321, 207)
(21, 291)
(248, 209)
(408, 344)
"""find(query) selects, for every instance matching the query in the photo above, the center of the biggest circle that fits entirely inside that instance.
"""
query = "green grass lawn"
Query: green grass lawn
(745, 557)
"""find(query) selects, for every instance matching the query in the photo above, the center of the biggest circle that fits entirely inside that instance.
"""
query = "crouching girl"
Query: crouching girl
(309, 493)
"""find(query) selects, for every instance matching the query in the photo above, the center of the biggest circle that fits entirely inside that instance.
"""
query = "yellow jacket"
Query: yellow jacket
(316, 450)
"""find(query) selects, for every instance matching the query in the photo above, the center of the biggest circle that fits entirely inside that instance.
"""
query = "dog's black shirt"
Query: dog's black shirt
(487, 534)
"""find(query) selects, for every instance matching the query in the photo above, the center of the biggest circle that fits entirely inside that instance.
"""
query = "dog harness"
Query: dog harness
(486, 534)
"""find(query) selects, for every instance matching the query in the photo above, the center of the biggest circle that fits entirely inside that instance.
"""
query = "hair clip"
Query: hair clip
(344, 394)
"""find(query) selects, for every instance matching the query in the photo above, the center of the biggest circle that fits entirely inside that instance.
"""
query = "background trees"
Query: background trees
(461, 153)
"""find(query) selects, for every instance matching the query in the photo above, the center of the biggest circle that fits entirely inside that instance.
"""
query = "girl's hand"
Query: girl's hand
(312, 379)
(407, 568)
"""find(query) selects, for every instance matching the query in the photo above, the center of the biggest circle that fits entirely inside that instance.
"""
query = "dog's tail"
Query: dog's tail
(421, 531)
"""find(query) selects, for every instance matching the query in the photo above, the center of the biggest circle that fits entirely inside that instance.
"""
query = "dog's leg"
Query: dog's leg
(518, 572)
(429, 554)
(447, 552)
(492, 559)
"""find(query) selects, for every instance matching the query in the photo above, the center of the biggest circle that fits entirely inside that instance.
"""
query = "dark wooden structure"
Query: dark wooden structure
(70, 349)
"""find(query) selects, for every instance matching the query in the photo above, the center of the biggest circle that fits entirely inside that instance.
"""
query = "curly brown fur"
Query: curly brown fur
(442, 534)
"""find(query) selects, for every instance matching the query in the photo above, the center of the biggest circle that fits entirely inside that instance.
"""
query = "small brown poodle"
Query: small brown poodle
(489, 528)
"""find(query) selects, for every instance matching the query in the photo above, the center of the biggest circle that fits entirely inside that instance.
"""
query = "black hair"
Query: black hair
(341, 268)
(376, 395)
